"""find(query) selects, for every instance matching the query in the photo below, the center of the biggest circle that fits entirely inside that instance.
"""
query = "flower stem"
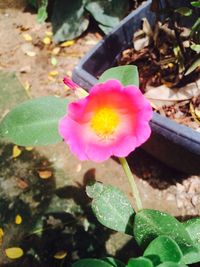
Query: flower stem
(132, 183)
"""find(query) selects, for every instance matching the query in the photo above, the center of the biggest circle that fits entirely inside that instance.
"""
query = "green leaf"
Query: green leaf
(139, 262)
(171, 264)
(127, 75)
(195, 3)
(69, 20)
(91, 263)
(195, 47)
(42, 14)
(149, 224)
(165, 248)
(184, 11)
(107, 13)
(34, 122)
(194, 65)
(112, 208)
(193, 228)
(114, 262)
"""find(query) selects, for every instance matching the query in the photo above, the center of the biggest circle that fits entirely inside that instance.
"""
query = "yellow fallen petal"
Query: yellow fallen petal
(14, 253)
(31, 53)
(55, 51)
(60, 255)
(1, 232)
(46, 40)
(16, 152)
(45, 174)
(49, 33)
(51, 79)
(29, 148)
(27, 37)
(68, 43)
(18, 219)
(53, 73)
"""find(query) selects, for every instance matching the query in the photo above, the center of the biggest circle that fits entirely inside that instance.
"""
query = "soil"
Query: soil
(46, 185)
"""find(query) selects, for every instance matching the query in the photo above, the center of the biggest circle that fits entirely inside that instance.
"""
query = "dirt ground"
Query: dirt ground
(31, 59)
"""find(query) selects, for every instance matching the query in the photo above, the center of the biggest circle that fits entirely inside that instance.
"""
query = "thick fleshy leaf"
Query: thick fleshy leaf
(171, 264)
(149, 224)
(111, 207)
(91, 263)
(193, 228)
(34, 122)
(139, 262)
(69, 20)
(114, 262)
(127, 75)
(165, 248)
(107, 13)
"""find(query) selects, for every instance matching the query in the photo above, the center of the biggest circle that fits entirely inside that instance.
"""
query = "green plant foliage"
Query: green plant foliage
(195, 3)
(184, 11)
(125, 74)
(171, 264)
(111, 207)
(69, 20)
(149, 224)
(194, 65)
(139, 262)
(195, 47)
(34, 122)
(193, 228)
(114, 262)
(107, 13)
(91, 263)
(42, 14)
(165, 248)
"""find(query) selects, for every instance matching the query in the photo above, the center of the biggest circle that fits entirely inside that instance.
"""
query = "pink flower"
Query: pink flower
(72, 85)
(111, 121)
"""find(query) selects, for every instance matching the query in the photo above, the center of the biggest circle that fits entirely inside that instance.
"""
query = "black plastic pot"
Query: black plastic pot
(172, 143)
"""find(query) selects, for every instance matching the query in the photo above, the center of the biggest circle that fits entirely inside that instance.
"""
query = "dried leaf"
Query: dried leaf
(197, 113)
(14, 253)
(60, 255)
(21, 183)
(45, 174)
(16, 151)
(193, 113)
(27, 37)
(18, 219)
(68, 43)
(164, 93)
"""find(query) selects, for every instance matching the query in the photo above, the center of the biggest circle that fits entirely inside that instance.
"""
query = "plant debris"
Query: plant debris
(169, 83)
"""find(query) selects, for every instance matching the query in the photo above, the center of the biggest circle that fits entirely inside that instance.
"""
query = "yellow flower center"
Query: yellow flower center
(104, 122)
